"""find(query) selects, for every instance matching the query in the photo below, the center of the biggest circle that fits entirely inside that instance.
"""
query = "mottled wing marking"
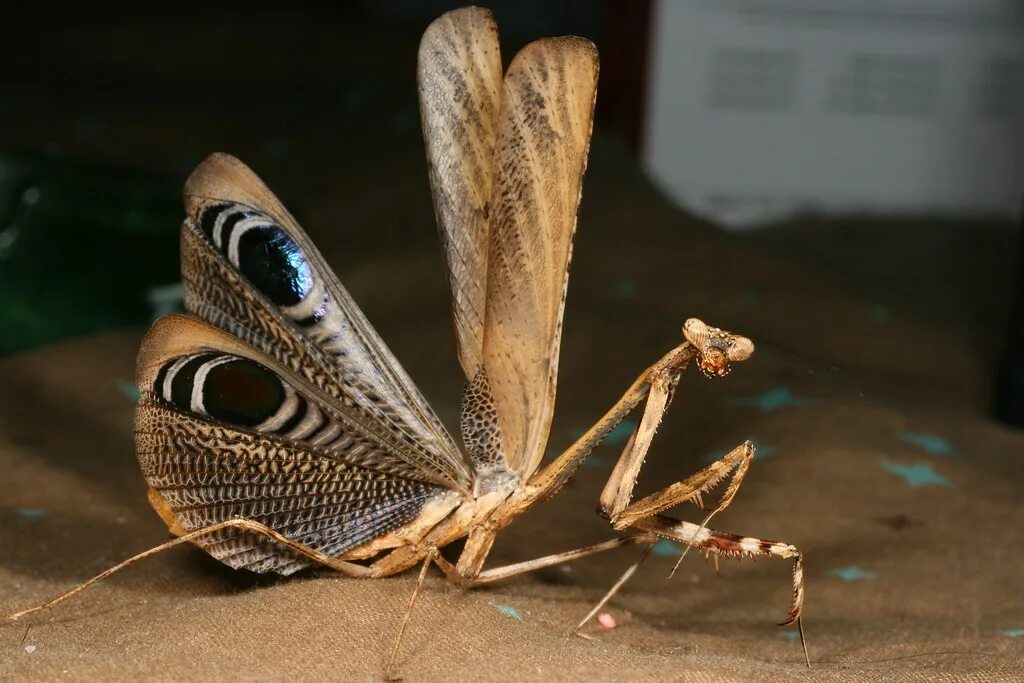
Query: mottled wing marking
(459, 76)
(207, 472)
(460, 85)
(481, 432)
(249, 268)
(543, 138)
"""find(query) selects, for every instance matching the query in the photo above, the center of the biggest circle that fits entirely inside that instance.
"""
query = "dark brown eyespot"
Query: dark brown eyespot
(228, 388)
(242, 392)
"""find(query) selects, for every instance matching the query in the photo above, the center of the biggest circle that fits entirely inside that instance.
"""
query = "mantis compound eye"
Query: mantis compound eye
(740, 348)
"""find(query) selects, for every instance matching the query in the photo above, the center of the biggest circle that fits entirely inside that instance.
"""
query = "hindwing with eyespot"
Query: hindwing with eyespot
(207, 472)
(239, 391)
(262, 252)
(225, 432)
(248, 268)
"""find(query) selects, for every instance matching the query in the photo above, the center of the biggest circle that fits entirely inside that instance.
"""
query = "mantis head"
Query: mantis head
(716, 348)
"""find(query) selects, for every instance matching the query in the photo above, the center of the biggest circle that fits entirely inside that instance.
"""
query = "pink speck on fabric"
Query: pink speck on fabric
(606, 620)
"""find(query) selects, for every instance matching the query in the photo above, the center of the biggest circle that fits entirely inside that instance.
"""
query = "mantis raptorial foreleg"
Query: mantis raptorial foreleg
(644, 514)
(713, 349)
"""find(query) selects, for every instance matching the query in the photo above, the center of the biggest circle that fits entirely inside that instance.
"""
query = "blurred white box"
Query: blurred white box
(760, 108)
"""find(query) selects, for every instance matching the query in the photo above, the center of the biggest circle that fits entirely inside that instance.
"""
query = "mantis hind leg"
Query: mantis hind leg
(379, 568)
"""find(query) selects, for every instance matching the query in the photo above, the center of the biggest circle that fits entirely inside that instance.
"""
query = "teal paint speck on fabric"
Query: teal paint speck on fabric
(666, 548)
(127, 388)
(621, 433)
(509, 611)
(32, 513)
(596, 462)
(917, 475)
(1014, 633)
(853, 574)
(773, 399)
(930, 443)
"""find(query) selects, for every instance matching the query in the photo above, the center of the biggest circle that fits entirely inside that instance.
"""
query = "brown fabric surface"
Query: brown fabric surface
(942, 603)
(945, 598)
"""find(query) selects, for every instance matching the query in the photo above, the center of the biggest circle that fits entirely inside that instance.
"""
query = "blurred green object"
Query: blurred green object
(82, 249)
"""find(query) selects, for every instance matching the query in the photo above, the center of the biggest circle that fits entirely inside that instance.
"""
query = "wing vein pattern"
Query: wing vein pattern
(248, 268)
(506, 158)
(544, 128)
(216, 440)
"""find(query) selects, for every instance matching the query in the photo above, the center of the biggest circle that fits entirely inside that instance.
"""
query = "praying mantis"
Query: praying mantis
(276, 431)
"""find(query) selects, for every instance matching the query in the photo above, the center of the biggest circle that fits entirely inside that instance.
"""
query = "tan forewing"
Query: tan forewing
(341, 354)
(459, 77)
(543, 138)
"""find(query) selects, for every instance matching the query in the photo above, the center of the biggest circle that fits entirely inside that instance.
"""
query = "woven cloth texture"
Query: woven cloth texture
(875, 459)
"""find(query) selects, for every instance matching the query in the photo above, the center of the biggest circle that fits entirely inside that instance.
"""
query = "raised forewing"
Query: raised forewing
(544, 130)
(248, 268)
(223, 431)
(459, 75)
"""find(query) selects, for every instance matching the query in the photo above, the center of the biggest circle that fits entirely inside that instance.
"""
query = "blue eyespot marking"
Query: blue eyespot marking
(275, 265)
(261, 250)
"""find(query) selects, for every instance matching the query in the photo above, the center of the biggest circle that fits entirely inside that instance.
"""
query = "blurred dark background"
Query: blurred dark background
(105, 110)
